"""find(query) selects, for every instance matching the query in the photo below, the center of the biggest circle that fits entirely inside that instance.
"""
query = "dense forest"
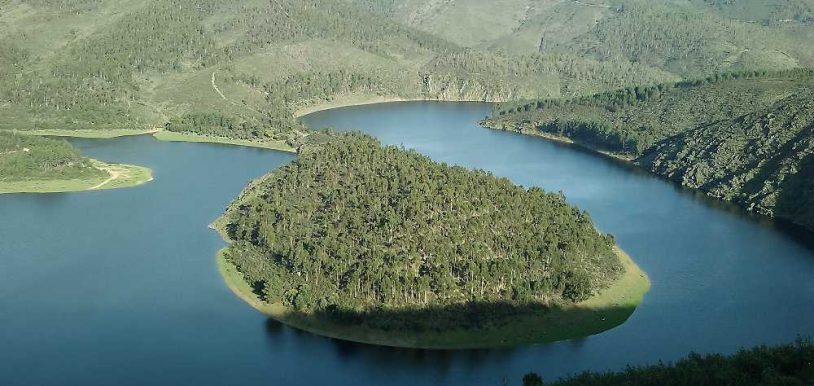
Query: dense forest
(743, 137)
(26, 157)
(791, 364)
(354, 231)
(631, 120)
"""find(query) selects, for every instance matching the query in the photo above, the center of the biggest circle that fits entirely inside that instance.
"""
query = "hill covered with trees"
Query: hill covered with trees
(691, 39)
(102, 64)
(253, 65)
(353, 233)
(791, 364)
(743, 137)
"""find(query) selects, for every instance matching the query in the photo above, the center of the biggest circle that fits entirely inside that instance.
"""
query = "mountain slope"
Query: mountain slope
(119, 64)
(687, 38)
(762, 160)
(742, 137)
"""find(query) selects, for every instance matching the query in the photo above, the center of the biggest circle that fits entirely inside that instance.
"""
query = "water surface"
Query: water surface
(120, 287)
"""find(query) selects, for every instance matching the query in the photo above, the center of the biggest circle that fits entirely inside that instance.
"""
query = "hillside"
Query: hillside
(633, 119)
(689, 38)
(762, 160)
(250, 65)
(741, 137)
(381, 238)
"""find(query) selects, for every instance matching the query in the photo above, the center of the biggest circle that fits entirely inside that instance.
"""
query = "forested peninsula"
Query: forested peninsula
(382, 245)
(32, 164)
(745, 137)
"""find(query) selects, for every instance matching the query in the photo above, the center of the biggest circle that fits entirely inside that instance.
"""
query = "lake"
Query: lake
(120, 287)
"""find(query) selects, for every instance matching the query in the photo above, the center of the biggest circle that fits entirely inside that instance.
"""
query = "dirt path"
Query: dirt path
(216, 86)
(25, 149)
(115, 173)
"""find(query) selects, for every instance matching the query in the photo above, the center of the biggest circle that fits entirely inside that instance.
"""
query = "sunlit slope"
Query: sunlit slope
(113, 64)
(688, 38)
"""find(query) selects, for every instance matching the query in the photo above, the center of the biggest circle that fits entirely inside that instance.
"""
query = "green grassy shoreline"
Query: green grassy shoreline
(169, 136)
(119, 176)
(606, 310)
(362, 100)
(88, 133)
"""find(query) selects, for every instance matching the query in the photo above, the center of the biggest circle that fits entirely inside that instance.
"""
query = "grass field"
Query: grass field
(118, 176)
(606, 310)
(185, 137)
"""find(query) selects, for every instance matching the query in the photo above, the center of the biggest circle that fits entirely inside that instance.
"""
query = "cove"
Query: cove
(121, 287)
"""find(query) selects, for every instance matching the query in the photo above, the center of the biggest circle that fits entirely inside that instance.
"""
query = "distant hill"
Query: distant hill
(690, 38)
(743, 137)
(140, 64)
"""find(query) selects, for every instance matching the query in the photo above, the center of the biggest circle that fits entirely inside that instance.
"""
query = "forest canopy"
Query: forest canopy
(27, 157)
(788, 364)
(355, 231)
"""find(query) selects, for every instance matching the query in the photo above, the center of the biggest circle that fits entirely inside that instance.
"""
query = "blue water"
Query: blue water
(120, 287)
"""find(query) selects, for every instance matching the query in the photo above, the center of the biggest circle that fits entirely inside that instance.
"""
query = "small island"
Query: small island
(33, 164)
(381, 245)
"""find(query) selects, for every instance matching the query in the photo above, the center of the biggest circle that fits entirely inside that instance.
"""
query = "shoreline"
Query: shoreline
(89, 133)
(118, 176)
(603, 311)
(564, 140)
(363, 101)
(168, 136)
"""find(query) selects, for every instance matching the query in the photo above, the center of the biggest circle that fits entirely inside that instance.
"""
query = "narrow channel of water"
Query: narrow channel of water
(120, 287)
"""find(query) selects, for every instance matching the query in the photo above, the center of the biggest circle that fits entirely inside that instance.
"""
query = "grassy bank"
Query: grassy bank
(89, 133)
(608, 309)
(186, 137)
(361, 100)
(116, 176)
(561, 139)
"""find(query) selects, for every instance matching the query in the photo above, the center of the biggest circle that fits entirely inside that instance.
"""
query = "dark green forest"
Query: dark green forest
(742, 137)
(789, 365)
(354, 229)
(26, 157)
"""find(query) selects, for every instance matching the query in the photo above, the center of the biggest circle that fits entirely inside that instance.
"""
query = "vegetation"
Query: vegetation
(35, 164)
(761, 160)
(743, 137)
(690, 38)
(241, 69)
(791, 364)
(35, 158)
(353, 233)
(631, 120)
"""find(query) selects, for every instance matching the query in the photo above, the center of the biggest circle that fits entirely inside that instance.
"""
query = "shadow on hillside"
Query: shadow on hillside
(468, 326)
(796, 200)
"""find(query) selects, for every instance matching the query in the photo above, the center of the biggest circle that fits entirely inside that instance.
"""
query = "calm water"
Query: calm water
(120, 287)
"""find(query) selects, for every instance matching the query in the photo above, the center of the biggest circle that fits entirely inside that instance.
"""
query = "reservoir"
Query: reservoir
(120, 287)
